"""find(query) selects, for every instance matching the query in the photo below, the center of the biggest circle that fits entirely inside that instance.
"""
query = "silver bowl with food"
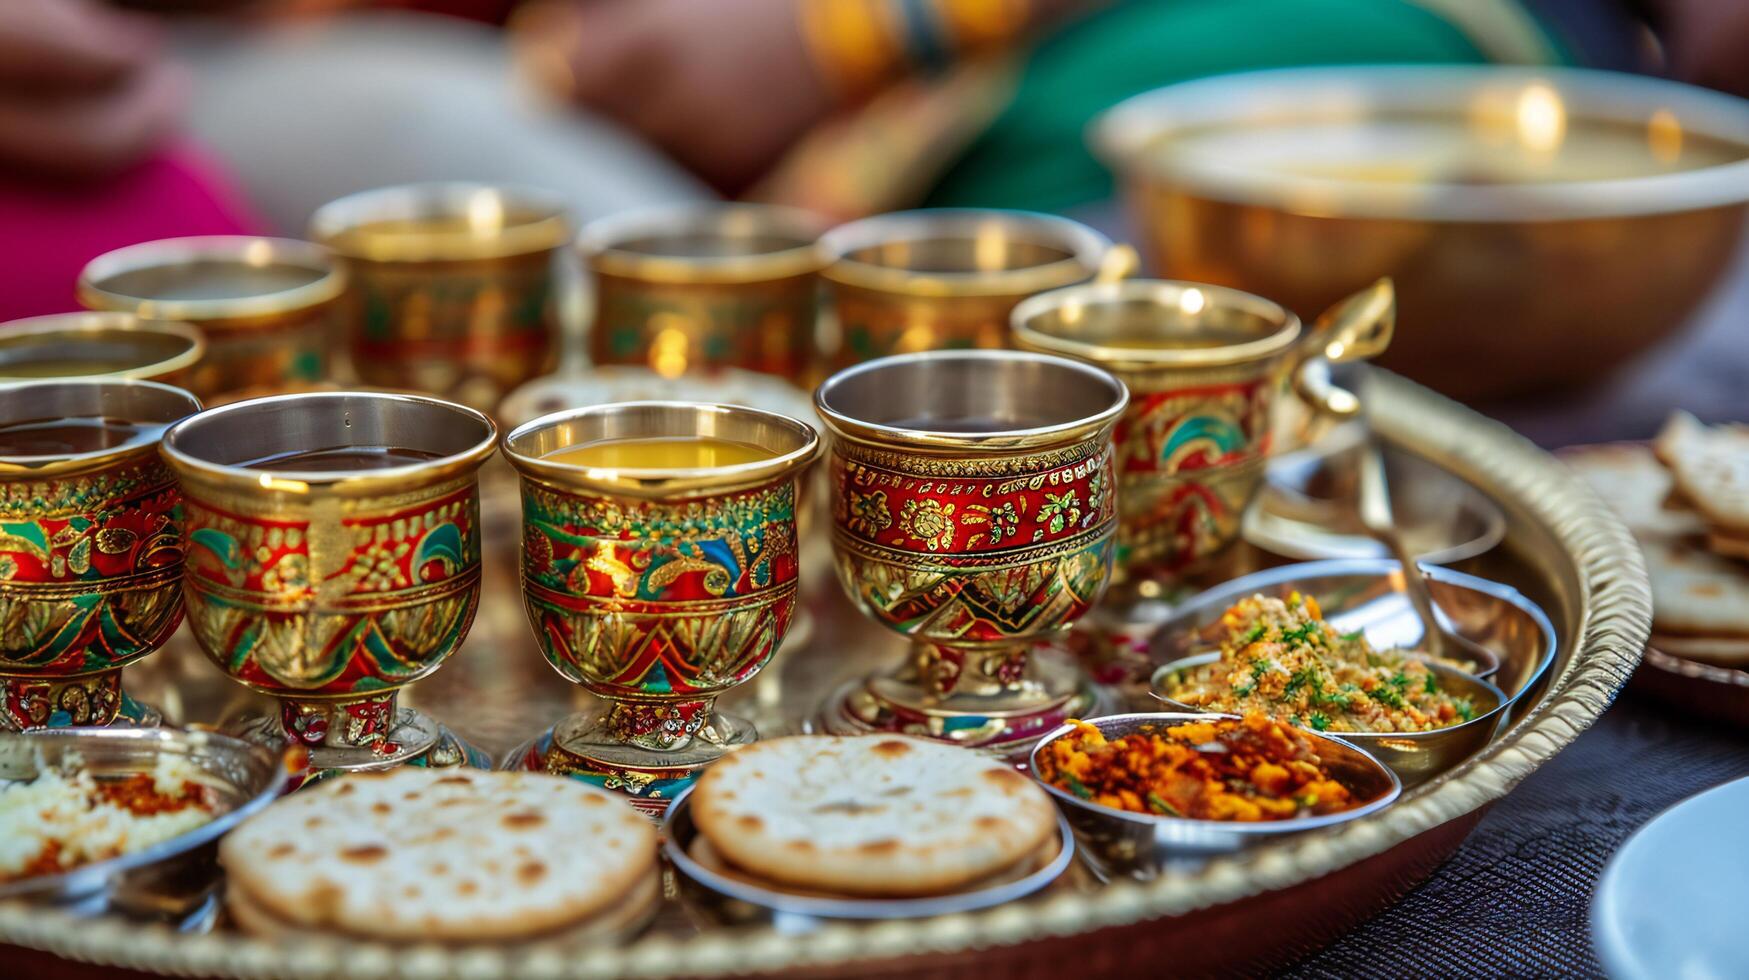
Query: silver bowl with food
(134, 816)
(1135, 787)
(1336, 651)
(723, 895)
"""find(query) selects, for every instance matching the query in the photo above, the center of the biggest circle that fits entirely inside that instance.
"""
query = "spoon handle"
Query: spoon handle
(1376, 517)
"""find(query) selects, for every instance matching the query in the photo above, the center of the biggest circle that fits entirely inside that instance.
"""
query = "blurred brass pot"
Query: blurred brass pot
(1543, 226)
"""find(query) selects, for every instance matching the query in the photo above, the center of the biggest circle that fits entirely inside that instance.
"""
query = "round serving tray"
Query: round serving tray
(1262, 907)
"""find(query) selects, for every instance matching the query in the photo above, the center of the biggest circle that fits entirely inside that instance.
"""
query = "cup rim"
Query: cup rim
(333, 223)
(93, 321)
(1023, 439)
(297, 480)
(1111, 355)
(257, 250)
(1120, 135)
(660, 482)
(60, 464)
(600, 242)
(1087, 248)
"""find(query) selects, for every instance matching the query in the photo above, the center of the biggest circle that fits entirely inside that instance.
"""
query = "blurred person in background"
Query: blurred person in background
(116, 127)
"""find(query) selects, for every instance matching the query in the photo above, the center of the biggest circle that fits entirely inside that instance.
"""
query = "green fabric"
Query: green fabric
(1035, 154)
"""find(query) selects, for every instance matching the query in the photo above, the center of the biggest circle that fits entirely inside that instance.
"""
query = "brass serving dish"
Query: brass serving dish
(1562, 550)
(1475, 188)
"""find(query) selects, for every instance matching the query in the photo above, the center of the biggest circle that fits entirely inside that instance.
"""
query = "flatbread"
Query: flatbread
(1694, 591)
(878, 815)
(1722, 651)
(444, 854)
(701, 851)
(619, 921)
(1710, 465)
(1636, 486)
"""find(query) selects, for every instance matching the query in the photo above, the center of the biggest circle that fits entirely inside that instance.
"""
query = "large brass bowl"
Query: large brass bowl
(1543, 226)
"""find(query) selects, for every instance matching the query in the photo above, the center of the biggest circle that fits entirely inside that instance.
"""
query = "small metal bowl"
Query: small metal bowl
(1120, 844)
(1309, 508)
(173, 881)
(1414, 756)
(727, 901)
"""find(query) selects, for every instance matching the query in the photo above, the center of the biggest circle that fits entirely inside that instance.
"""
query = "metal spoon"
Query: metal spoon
(1376, 517)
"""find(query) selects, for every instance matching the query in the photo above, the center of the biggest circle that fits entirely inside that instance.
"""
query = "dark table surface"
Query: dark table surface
(1515, 899)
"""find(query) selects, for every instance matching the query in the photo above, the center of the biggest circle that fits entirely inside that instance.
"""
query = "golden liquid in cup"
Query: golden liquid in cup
(340, 459)
(69, 436)
(660, 453)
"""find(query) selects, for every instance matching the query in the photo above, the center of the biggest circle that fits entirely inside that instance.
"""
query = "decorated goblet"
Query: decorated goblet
(1203, 365)
(90, 547)
(659, 570)
(334, 559)
(265, 305)
(705, 286)
(451, 286)
(922, 280)
(973, 508)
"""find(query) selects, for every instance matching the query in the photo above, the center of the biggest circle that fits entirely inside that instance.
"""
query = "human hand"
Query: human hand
(83, 89)
(724, 87)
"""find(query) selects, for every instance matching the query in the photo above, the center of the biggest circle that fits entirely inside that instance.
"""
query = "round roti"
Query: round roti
(448, 854)
(879, 815)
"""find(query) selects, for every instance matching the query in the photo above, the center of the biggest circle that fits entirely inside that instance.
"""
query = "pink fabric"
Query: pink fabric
(49, 231)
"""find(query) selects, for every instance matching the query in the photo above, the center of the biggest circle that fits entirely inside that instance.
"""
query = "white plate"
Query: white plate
(1674, 901)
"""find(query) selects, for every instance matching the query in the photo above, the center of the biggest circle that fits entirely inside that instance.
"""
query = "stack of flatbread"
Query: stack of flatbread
(445, 855)
(878, 816)
(1686, 499)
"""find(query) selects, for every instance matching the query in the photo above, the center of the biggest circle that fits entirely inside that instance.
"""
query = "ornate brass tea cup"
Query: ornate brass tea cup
(656, 589)
(265, 305)
(973, 506)
(1203, 365)
(334, 558)
(452, 285)
(923, 280)
(90, 548)
(99, 345)
(700, 286)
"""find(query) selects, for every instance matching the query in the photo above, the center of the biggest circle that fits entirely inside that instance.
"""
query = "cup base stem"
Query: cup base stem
(419, 740)
(32, 703)
(590, 746)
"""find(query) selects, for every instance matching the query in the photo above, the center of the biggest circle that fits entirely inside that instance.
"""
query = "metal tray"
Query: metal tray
(1562, 549)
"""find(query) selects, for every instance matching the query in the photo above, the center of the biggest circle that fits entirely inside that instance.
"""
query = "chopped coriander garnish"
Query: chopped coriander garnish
(1156, 804)
(1254, 634)
(1431, 686)
(1400, 680)
(1077, 787)
(1319, 721)
(1354, 637)
(1387, 696)
(1466, 708)
(1244, 691)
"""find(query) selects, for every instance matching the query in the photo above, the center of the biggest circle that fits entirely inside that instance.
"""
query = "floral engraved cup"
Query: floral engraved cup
(90, 555)
(328, 588)
(974, 512)
(704, 286)
(656, 589)
(1204, 365)
(924, 280)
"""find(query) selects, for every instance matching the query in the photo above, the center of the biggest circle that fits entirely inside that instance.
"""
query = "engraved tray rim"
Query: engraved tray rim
(1611, 607)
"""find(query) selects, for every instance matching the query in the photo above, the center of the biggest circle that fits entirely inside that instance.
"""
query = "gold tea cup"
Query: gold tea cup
(973, 512)
(90, 547)
(657, 590)
(924, 280)
(703, 286)
(265, 305)
(110, 346)
(334, 558)
(452, 285)
(1204, 365)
